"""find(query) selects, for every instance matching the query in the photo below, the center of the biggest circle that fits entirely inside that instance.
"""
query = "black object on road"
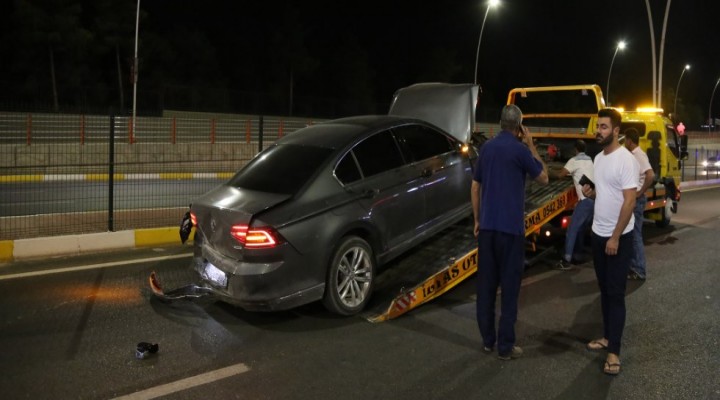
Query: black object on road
(144, 349)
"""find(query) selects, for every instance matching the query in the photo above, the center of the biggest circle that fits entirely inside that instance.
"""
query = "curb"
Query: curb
(69, 245)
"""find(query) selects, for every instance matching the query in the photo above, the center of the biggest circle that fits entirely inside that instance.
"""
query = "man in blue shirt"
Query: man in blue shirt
(498, 200)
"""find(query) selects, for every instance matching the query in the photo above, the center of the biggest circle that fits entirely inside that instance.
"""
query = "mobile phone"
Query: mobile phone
(586, 181)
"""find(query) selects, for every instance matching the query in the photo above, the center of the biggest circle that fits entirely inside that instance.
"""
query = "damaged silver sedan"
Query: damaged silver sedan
(312, 217)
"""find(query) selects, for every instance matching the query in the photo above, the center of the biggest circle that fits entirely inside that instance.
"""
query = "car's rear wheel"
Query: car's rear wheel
(350, 277)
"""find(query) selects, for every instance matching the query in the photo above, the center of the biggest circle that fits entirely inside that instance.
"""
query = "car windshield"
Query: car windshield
(281, 169)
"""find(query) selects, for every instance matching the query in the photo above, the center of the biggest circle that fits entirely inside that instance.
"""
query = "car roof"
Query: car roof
(338, 133)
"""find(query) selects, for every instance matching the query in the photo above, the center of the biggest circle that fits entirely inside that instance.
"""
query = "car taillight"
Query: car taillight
(258, 238)
(193, 219)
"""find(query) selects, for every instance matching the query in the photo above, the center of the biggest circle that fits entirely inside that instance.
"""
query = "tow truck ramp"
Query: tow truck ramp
(450, 257)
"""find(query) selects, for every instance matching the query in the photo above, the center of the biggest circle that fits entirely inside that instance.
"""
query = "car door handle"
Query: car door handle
(426, 173)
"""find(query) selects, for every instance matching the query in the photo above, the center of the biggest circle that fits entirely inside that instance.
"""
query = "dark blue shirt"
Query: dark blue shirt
(501, 168)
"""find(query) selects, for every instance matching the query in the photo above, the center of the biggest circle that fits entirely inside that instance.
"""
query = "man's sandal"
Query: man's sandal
(596, 345)
(612, 368)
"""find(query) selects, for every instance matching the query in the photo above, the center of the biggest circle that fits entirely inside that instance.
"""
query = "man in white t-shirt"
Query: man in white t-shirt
(616, 184)
(579, 165)
(647, 177)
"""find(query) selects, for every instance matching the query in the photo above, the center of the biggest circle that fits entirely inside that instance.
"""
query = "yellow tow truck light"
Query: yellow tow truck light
(650, 110)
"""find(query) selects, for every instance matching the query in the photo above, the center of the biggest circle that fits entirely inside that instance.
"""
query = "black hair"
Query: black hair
(613, 114)
(580, 145)
(632, 134)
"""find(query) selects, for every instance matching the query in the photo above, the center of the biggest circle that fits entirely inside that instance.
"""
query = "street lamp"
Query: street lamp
(135, 68)
(687, 67)
(710, 105)
(491, 3)
(620, 46)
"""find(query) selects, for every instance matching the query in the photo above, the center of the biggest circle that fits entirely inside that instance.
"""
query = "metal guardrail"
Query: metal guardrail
(29, 129)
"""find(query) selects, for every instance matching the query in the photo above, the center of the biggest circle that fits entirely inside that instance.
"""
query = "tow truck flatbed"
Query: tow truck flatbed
(448, 258)
(436, 266)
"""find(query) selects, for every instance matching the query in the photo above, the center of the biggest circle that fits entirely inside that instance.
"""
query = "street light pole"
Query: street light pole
(687, 67)
(135, 67)
(662, 51)
(710, 105)
(491, 3)
(620, 46)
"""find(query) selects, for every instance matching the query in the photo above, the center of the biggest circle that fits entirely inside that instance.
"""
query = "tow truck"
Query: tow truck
(557, 116)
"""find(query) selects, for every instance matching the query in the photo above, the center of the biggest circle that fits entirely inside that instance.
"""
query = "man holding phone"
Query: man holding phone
(580, 167)
(616, 184)
(498, 200)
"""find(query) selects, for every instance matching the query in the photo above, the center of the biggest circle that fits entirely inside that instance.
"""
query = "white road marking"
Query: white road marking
(91, 266)
(187, 383)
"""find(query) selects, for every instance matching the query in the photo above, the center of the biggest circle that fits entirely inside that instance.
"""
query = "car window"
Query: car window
(672, 140)
(281, 168)
(420, 142)
(347, 170)
(378, 153)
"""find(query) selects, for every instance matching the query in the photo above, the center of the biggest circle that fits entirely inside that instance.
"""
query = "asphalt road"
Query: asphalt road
(86, 196)
(72, 334)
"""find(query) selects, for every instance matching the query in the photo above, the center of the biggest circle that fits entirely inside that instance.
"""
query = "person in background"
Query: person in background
(616, 184)
(647, 177)
(680, 128)
(498, 201)
(579, 165)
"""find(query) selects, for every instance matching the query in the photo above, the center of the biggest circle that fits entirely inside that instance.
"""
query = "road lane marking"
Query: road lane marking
(91, 266)
(187, 383)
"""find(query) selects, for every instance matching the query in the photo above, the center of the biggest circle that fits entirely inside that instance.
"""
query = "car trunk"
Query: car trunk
(225, 206)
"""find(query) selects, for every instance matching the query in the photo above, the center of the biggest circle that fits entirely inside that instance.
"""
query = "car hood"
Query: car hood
(450, 107)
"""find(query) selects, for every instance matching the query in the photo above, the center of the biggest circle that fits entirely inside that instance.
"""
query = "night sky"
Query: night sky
(524, 43)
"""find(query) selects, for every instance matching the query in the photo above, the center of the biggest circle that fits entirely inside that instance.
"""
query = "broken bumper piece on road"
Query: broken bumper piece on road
(191, 291)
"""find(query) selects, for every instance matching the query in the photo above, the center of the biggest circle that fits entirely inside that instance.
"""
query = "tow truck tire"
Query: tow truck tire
(350, 277)
(666, 214)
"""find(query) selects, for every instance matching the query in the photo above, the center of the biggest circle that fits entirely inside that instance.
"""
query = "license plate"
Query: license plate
(215, 275)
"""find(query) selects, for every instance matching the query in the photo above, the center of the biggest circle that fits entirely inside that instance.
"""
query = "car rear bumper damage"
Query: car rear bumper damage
(236, 290)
